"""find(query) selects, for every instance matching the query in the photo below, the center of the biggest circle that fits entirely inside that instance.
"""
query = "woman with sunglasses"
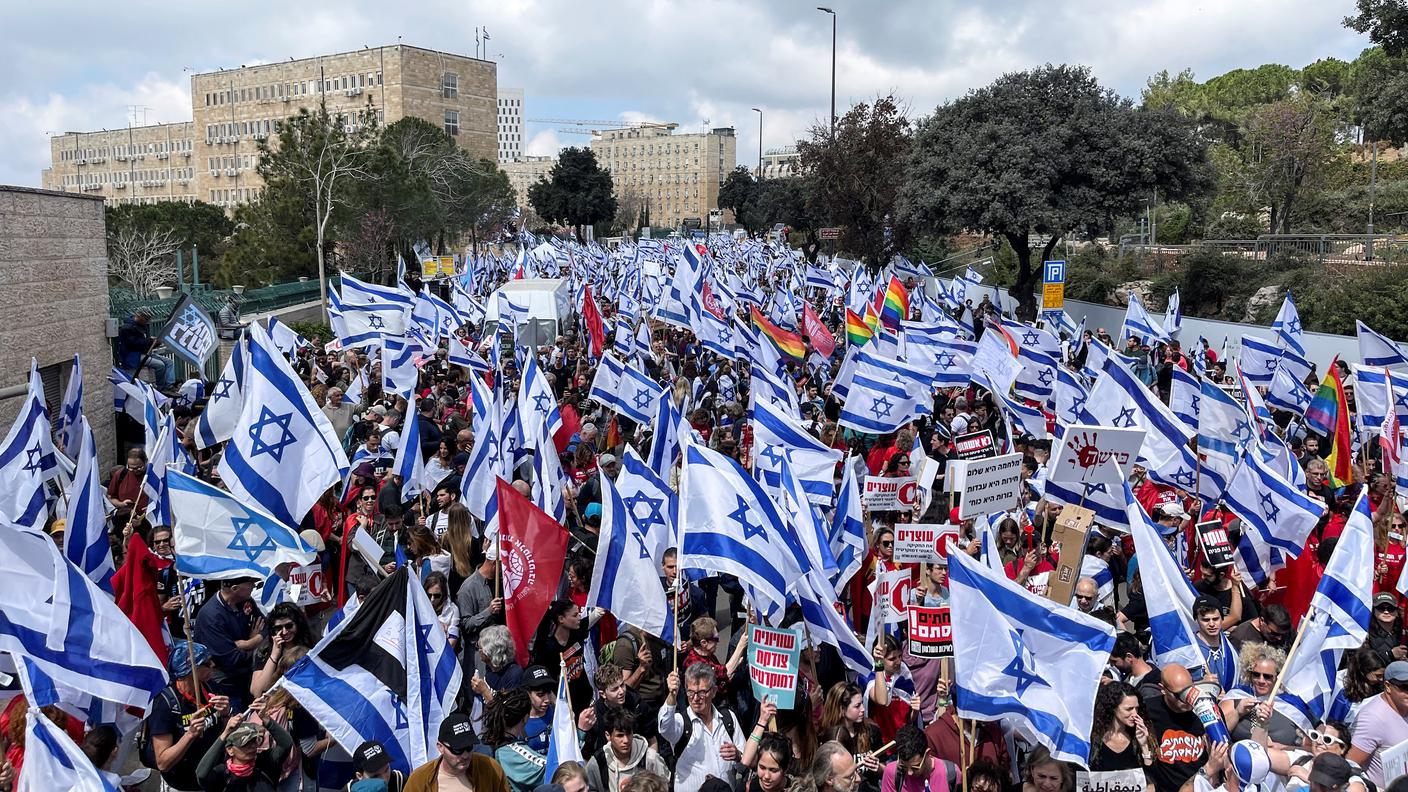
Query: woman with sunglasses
(1245, 706)
(1389, 552)
(1330, 736)
(288, 628)
(1386, 629)
(437, 588)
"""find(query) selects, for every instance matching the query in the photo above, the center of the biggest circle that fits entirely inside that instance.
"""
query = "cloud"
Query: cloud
(544, 144)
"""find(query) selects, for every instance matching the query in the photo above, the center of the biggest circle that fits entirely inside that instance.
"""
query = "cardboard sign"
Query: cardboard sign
(890, 595)
(921, 543)
(1111, 781)
(1068, 543)
(774, 657)
(889, 494)
(975, 445)
(930, 632)
(986, 485)
(1096, 455)
(310, 583)
(1216, 544)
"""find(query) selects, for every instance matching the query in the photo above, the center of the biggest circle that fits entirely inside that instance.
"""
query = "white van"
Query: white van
(544, 307)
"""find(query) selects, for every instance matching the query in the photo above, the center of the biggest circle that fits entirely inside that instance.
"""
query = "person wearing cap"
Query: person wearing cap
(590, 491)
(1385, 636)
(372, 762)
(237, 762)
(179, 729)
(542, 694)
(1382, 723)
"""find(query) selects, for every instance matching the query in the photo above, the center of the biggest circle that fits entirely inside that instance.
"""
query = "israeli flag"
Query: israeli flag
(1224, 428)
(729, 524)
(1376, 349)
(368, 323)
(86, 542)
(1120, 400)
(549, 489)
(1185, 397)
(1281, 514)
(625, 390)
(52, 760)
(28, 460)
(1258, 360)
(399, 374)
(538, 405)
(1173, 314)
(652, 507)
(286, 454)
(384, 673)
(409, 464)
(1371, 396)
(217, 537)
(668, 434)
(949, 360)
(285, 339)
(217, 421)
(485, 463)
(562, 742)
(1139, 324)
(779, 439)
(168, 452)
(626, 568)
(1287, 393)
(826, 626)
(769, 387)
(1068, 399)
(1338, 620)
(357, 292)
(1288, 328)
(57, 618)
(71, 410)
(887, 394)
(1025, 660)
(1166, 590)
(1021, 417)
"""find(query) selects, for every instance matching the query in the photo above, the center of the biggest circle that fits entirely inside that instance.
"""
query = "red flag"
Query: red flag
(533, 551)
(591, 317)
(821, 338)
(135, 587)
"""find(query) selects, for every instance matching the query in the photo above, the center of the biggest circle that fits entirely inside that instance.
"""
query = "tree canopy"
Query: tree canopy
(577, 191)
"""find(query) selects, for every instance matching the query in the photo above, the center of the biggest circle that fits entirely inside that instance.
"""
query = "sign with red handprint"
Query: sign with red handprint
(1096, 454)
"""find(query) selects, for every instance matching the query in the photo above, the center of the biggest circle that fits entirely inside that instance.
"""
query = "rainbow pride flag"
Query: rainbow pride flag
(896, 306)
(857, 331)
(1328, 414)
(787, 343)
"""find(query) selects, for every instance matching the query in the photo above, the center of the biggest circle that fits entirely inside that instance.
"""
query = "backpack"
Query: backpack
(725, 716)
(146, 753)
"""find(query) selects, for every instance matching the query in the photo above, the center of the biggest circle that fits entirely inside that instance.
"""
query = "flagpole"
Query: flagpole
(190, 639)
(1290, 655)
(562, 674)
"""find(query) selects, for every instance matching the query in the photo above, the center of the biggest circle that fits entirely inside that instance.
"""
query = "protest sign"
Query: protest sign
(1096, 454)
(975, 445)
(923, 543)
(930, 632)
(986, 485)
(1068, 542)
(889, 494)
(190, 332)
(1217, 546)
(890, 593)
(308, 585)
(773, 661)
(1110, 781)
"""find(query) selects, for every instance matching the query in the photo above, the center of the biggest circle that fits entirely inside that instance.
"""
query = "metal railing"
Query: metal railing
(1342, 249)
(122, 303)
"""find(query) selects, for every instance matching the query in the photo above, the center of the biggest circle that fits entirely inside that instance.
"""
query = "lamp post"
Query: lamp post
(760, 143)
(833, 66)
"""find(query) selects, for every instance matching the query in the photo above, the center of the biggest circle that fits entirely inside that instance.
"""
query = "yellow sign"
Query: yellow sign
(429, 267)
(447, 266)
(1053, 296)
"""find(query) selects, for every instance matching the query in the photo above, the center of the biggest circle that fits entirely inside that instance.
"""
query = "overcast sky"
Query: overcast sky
(692, 63)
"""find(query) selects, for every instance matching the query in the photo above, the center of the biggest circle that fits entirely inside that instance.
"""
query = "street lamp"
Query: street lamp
(760, 143)
(833, 66)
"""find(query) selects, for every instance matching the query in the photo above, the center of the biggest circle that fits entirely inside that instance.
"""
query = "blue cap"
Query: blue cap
(593, 510)
(180, 658)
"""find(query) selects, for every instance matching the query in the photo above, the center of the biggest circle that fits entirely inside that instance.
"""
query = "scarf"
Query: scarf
(240, 769)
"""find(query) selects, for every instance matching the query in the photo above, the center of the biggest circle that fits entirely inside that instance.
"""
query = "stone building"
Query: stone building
(233, 109)
(525, 172)
(54, 302)
(677, 176)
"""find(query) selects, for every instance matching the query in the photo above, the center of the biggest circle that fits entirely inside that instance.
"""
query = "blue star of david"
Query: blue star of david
(1125, 418)
(1077, 405)
(222, 389)
(1018, 668)
(1243, 431)
(642, 399)
(375, 322)
(1302, 398)
(640, 540)
(1045, 377)
(286, 438)
(1272, 364)
(400, 709)
(652, 516)
(1184, 478)
(726, 337)
(772, 455)
(882, 407)
(1030, 338)
(34, 459)
(740, 516)
(1092, 489)
(1269, 509)
(542, 403)
(242, 525)
(944, 359)
(1196, 404)
(1293, 326)
(423, 634)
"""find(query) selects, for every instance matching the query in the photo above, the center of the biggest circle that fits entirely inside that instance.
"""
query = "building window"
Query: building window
(449, 85)
(452, 122)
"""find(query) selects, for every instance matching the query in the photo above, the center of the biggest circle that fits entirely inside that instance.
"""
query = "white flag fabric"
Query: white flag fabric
(286, 454)
(86, 542)
(624, 574)
(217, 537)
(28, 460)
(217, 421)
(70, 410)
(409, 464)
(1376, 349)
(651, 506)
(52, 760)
(1167, 592)
(1025, 659)
(778, 437)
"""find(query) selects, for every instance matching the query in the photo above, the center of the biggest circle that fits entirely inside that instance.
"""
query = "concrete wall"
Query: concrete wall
(54, 298)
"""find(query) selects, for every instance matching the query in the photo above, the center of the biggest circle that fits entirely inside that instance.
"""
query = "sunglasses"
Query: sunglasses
(1322, 738)
(887, 544)
(283, 627)
(1263, 676)
(1386, 608)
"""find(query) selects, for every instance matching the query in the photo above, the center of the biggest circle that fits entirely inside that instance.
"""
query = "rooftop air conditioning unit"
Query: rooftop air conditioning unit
(99, 160)
(120, 157)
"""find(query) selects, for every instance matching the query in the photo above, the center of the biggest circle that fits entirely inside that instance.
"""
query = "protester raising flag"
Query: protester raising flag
(387, 674)
(532, 554)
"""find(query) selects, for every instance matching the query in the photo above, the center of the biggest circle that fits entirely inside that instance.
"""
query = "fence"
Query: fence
(1329, 249)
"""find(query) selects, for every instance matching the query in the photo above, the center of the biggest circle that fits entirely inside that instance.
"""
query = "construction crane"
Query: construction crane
(597, 124)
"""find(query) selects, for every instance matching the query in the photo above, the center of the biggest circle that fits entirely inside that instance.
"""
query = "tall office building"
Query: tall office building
(213, 157)
(510, 124)
(677, 176)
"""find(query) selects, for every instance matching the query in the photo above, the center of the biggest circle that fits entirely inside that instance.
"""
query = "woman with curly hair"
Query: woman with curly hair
(504, 719)
(1245, 706)
(288, 628)
(1119, 738)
